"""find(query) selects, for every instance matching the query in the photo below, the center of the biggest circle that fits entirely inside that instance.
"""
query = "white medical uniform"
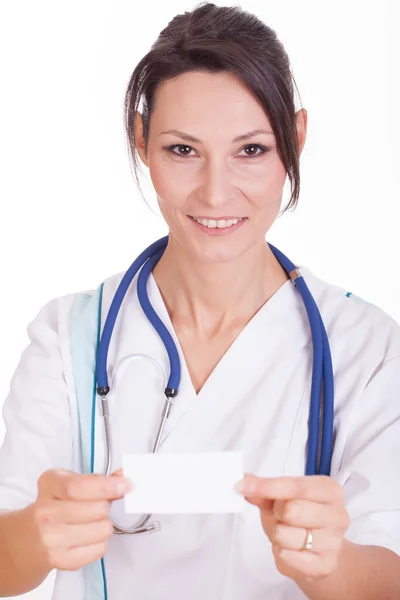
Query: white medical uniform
(256, 400)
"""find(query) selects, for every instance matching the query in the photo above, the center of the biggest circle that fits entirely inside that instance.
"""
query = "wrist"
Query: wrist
(27, 554)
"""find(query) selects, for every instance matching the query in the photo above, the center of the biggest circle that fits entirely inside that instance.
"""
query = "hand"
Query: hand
(291, 505)
(71, 516)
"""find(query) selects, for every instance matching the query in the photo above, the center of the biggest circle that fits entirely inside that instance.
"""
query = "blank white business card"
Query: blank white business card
(184, 482)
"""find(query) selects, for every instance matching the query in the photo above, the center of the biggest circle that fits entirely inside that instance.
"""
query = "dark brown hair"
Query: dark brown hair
(220, 38)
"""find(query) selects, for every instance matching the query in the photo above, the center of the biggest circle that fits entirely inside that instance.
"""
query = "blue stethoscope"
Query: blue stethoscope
(322, 373)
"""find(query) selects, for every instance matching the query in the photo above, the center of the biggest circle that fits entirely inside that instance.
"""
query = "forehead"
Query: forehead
(202, 102)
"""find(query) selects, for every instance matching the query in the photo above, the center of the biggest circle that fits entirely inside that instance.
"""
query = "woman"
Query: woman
(218, 133)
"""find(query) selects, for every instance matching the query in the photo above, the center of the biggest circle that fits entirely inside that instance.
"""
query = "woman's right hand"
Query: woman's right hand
(71, 516)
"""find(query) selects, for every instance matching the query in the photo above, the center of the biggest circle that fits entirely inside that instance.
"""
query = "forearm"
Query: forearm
(363, 573)
(22, 564)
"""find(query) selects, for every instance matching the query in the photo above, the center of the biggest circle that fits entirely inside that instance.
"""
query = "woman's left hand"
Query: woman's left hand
(291, 505)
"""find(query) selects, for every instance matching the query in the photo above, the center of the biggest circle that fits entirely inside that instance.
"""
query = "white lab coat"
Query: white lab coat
(256, 400)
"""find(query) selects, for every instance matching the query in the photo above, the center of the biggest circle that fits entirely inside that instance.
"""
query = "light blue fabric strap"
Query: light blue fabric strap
(84, 333)
(356, 299)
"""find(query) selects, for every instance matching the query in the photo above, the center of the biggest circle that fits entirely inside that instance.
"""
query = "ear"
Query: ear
(301, 124)
(138, 124)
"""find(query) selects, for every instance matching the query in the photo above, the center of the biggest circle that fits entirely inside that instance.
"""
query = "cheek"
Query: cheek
(170, 189)
(265, 188)
(261, 184)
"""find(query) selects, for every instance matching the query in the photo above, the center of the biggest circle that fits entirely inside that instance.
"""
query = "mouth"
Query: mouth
(217, 222)
(218, 226)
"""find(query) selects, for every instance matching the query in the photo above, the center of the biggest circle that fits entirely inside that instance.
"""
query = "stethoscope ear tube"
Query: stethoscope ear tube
(152, 316)
(322, 373)
(328, 407)
(101, 365)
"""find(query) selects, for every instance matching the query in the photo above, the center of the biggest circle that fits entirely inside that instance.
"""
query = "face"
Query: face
(202, 170)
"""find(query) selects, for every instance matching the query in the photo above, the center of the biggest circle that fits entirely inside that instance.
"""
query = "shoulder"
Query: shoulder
(355, 326)
(365, 347)
(56, 313)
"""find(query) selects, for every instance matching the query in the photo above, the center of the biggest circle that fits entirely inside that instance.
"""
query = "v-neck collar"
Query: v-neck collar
(226, 383)
(281, 295)
(161, 309)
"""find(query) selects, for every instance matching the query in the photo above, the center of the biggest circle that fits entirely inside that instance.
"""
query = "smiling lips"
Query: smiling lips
(221, 223)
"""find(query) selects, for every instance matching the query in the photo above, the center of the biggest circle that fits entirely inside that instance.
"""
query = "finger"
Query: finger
(291, 538)
(308, 564)
(118, 473)
(66, 485)
(319, 488)
(84, 534)
(87, 534)
(78, 557)
(70, 511)
(264, 504)
(294, 538)
(305, 513)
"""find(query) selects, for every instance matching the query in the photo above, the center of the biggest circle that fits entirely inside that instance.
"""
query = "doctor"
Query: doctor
(218, 156)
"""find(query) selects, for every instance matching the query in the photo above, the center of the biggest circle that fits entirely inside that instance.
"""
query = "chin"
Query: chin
(217, 250)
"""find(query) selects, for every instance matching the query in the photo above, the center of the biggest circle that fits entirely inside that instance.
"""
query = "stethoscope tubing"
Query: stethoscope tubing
(320, 439)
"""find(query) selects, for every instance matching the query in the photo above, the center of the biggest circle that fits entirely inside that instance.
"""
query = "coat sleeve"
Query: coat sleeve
(36, 414)
(370, 469)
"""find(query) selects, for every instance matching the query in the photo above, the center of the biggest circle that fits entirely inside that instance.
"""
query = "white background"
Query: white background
(70, 212)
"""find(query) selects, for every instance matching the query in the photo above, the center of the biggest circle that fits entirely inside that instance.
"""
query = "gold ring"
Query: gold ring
(309, 540)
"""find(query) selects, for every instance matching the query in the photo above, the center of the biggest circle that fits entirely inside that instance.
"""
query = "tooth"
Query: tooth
(221, 223)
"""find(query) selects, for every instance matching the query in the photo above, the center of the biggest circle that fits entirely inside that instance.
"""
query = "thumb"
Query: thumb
(264, 504)
(117, 473)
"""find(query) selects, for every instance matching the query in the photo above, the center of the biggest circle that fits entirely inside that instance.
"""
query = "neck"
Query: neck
(208, 297)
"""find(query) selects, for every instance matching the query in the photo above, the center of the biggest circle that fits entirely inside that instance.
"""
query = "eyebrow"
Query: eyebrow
(239, 138)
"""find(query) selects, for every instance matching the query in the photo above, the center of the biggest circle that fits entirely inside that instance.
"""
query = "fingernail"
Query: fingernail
(240, 486)
(246, 487)
(124, 486)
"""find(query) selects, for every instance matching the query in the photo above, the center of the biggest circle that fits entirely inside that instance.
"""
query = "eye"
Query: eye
(263, 150)
(172, 150)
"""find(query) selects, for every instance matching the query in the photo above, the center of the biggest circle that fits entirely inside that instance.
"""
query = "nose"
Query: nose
(217, 187)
